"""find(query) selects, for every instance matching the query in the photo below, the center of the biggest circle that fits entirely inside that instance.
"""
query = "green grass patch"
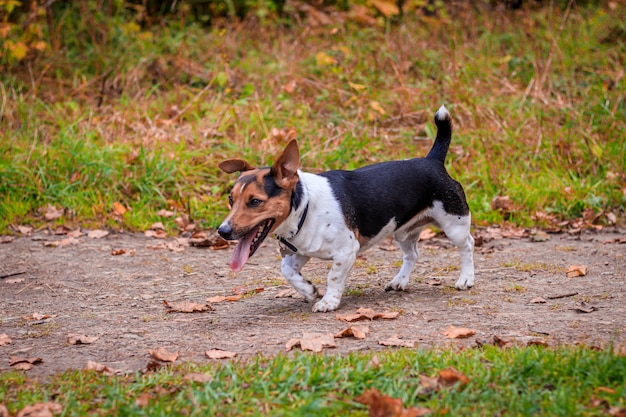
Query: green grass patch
(537, 101)
(518, 381)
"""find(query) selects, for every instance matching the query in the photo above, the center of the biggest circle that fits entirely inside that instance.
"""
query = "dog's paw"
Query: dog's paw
(397, 285)
(464, 283)
(326, 304)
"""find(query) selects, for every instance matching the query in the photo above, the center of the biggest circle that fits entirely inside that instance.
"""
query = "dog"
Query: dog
(336, 215)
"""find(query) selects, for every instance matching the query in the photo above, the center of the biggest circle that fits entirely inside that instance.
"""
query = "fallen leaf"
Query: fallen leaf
(157, 234)
(163, 354)
(428, 385)
(75, 233)
(288, 293)
(396, 341)
(25, 230)
(617, 412)
(5, 340)
(538, 300)
(219, 354)
(453, 332)
(540, 236)
(323, 59)
(143, 400)
(576, 271)
(37, 316)
(451, 376)
(6, 239)
(198, 377)
(63, 242)
(367, 314)
(23, 364)
(502, 203)
(357, 332)
(186, 307)
(213, 241)
(584, 307)
(52, 213)
(216, 299)
(97, 234)
(81, 339)
(312, 341)
(385, 406)
(427, 234)
(117, 252)
(14, 280)
(165, 213)
(119, 208)
(434, 282)
(41, 410)
(99, 367)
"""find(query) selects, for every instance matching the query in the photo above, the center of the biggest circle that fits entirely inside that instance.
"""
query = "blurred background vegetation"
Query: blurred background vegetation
(111, 103)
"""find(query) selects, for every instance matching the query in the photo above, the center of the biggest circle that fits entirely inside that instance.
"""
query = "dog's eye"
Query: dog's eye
(255, 202)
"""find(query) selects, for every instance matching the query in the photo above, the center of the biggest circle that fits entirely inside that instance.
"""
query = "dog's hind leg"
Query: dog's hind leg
(457, 228)
(290, 267)
(400, 281)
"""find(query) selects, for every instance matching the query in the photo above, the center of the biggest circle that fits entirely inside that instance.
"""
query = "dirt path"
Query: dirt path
(87, 290)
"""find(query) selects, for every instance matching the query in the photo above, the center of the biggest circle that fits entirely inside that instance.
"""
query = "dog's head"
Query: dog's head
(259, 201)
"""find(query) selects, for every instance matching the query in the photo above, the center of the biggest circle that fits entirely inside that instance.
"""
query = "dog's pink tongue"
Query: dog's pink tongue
(242, 251)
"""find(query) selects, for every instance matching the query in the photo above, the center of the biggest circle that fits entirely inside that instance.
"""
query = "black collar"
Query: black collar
(300, 223)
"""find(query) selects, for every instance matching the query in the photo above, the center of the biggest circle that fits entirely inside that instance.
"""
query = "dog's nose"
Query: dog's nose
(225, 231)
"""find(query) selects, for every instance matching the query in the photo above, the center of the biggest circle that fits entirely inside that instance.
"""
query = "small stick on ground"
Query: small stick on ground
(569, 294)
(12, 274)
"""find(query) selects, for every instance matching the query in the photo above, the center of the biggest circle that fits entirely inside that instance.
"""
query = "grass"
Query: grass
(537, 97)
(518, 381)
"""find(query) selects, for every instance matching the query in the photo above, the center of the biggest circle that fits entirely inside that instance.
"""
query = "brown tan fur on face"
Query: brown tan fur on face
(250, 185)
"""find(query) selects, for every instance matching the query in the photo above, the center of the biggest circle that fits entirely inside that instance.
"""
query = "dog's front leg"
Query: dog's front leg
(290, 267)
(336, 283)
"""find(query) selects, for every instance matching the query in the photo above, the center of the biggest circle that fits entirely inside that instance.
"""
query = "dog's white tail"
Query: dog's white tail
(444, 135)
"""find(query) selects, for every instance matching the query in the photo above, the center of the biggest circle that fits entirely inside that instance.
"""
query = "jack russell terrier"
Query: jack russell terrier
(339, 214)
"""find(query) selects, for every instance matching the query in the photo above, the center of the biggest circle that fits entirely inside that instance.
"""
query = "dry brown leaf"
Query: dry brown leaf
(216, 299)
(198, 377)
(288, 293)
(366, 314)
(186, 307)
(502, 203)
(52, 213)
(358, 332)
(219, 354)
(143, 400)
(99, 367)
(81, 339)
(25, 230)
(24, 364)
(385, 406)
(434, 282)
(617, 412)
(37, 316)
(75, 233)
(451, 376)
(5, 340)
(538, 300)
(117, 252)
(453, 332)
(6, 239)
(41, 410)
(119, 208)
(165, 213)
(97, 234)
(396, 341)
(584, 307)
(427, 234)
(428, 385)
(63, 242)
(212, 241)
(312, 341)
(576, 271)
(163, 354)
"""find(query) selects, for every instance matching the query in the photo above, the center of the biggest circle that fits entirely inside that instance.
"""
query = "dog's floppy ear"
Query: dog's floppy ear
(235, 165)
(285, 169)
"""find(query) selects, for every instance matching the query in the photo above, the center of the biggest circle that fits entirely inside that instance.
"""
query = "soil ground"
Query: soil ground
(87, 290)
